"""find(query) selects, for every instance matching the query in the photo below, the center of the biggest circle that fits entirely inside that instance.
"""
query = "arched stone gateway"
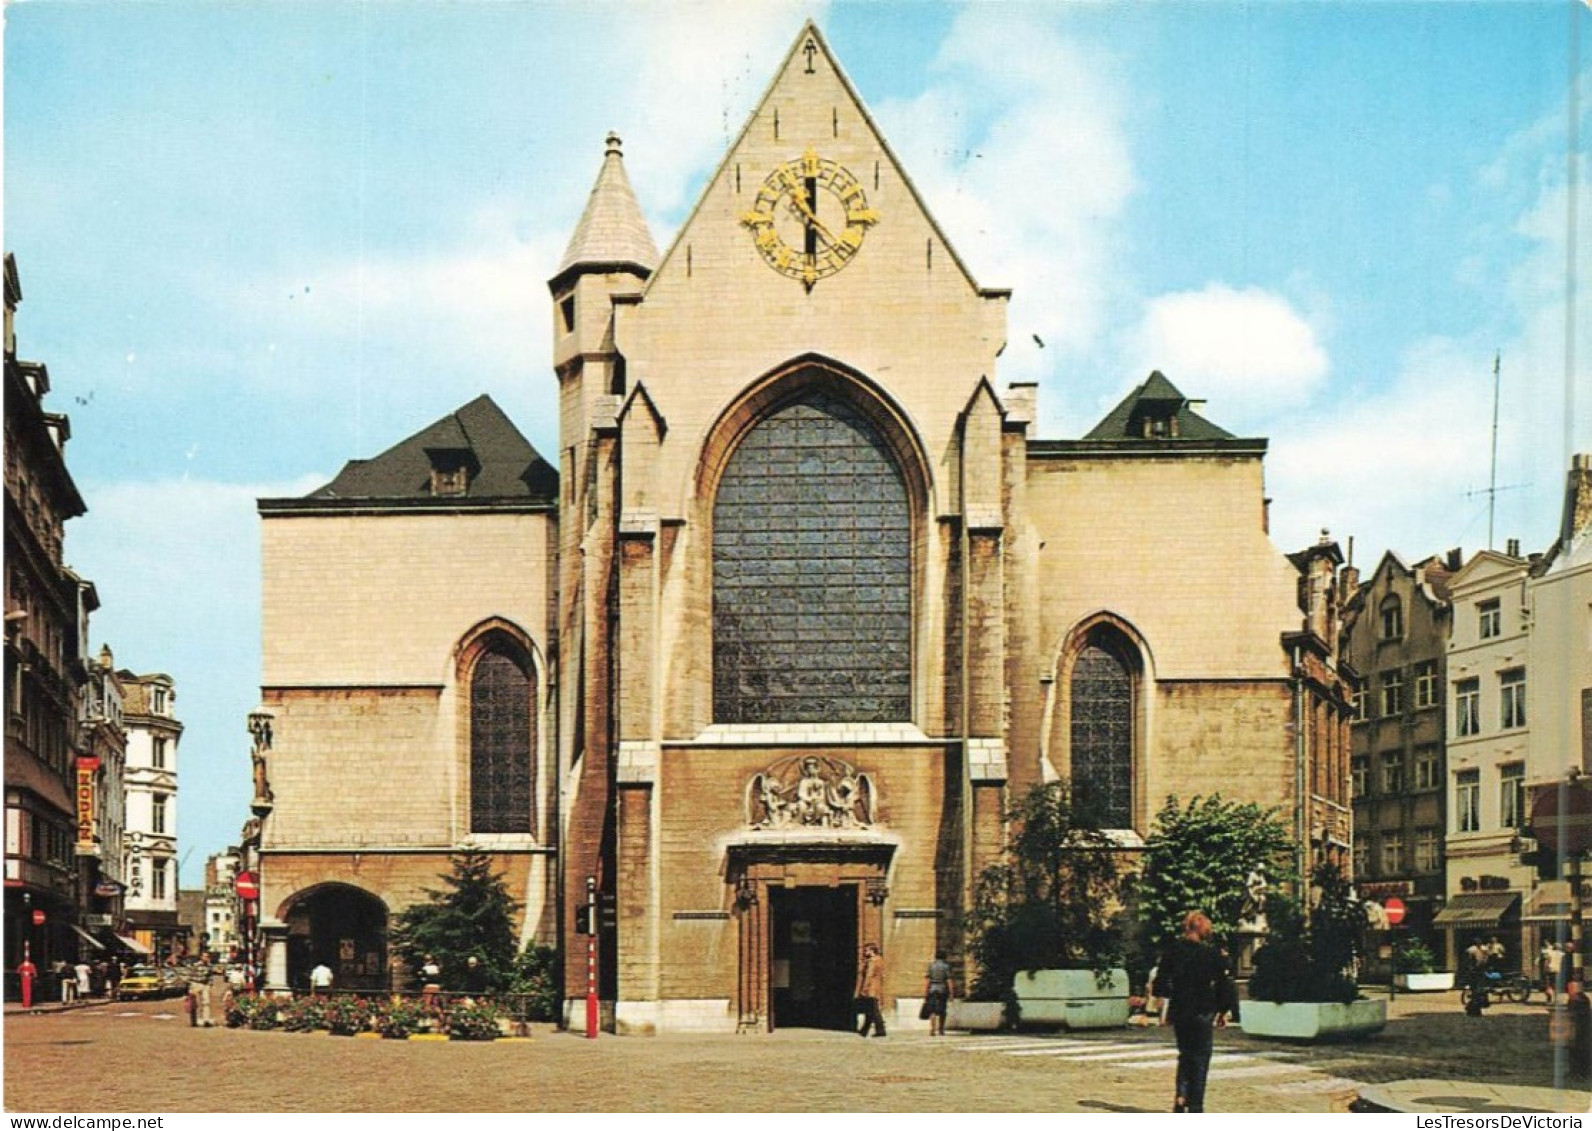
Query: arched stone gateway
(343, 926)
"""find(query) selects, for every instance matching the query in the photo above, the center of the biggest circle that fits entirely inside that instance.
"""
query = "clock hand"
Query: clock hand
(799, 205)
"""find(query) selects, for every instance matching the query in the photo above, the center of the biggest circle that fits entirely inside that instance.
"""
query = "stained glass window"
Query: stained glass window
(502, 745)
(1102, 736)
(812, 572)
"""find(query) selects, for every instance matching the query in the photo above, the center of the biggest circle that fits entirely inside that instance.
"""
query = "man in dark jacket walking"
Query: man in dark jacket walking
(1194, 977)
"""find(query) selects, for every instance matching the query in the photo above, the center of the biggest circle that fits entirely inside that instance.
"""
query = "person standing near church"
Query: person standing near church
(870, 991)
(937, 993)
(1194, 977)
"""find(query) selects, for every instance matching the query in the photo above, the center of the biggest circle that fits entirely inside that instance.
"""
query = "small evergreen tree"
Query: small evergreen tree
(1051, 902)
(472, 915)
(1199, 857)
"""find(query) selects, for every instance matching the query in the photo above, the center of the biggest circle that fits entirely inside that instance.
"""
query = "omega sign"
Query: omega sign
(86, 768)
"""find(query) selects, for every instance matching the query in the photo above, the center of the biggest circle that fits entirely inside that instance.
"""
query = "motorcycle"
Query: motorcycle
(1475, 994)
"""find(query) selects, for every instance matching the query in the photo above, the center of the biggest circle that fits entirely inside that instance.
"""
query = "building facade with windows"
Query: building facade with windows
(1397, 642)
(1560, 663)
(43, 668)
(805, 606)
(218, 935)
(407, 692)
(150, 859)
(101, 797)
(1488, 749)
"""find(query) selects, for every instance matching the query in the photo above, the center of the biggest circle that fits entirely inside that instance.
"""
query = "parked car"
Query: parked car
(141, 981)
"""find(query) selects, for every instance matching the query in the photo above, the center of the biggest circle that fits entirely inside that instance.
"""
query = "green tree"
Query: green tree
(538, 976)
(1199, 857)
(1312, 957)
(1052, 901)
(472, 914)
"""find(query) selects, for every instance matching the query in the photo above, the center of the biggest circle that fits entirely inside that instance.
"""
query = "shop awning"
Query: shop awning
(1477, 909)
(1546, 906)
(132, 944)
(86, 937)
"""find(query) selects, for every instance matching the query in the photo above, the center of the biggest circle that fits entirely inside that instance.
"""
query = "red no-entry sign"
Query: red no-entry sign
(1394, 908)
(247, 885)
(1561, 818)
(38, 918)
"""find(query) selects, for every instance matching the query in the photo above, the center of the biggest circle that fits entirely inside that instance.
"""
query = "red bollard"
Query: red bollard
(591, 987)
(28, 972)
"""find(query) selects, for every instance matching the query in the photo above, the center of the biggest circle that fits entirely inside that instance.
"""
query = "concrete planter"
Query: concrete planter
(1425, 983)
(978, 1016)
(1073, 998)
(1314, 1020)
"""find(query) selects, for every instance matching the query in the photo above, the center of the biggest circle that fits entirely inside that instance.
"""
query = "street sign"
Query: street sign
(247, 885)
(1561, 818)
(38, 918)
(1394, 909)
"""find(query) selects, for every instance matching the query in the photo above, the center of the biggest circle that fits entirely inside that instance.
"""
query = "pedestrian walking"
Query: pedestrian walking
(85, 978)
(1193, 977)
(936, 994)
(430, 981)
(870, 991)
(66, 978)
(1548, 967)
(320, 979)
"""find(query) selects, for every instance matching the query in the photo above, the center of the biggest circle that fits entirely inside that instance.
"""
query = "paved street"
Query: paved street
(163, 1065)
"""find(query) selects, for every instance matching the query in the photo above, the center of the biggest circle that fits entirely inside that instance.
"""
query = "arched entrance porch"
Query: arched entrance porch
(343, 926)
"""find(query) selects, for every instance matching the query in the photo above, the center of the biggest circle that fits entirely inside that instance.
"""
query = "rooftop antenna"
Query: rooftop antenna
(1492, 474)
(1493, 489)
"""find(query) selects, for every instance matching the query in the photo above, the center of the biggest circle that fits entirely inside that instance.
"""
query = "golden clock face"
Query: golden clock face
(809, 218)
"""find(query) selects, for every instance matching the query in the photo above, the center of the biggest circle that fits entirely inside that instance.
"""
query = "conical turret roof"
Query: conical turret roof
(612, 232)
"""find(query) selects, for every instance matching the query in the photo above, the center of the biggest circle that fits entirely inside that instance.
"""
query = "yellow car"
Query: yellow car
(141, 981)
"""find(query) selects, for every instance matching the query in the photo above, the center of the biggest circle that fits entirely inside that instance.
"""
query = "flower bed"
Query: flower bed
(397, 1018)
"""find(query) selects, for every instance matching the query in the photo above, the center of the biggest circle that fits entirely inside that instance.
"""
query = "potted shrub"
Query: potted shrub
(346, 1015)
(471, 1020)
(239, 1010)
(401, 1019)
(1044, 934)
(1304, 986)
(1417, 970)
(304, 1014)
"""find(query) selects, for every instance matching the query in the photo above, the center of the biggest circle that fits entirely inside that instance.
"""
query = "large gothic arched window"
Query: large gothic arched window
(1102, 695)
(812, 572)
(502, 742)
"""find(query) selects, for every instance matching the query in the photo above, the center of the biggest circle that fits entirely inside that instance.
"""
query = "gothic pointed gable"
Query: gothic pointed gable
(812, 124)
(612, 233)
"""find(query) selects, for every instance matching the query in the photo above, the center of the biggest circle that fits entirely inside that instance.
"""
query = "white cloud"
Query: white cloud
(1248, 350)
(694, 70)
(1396, 468)
(1019, 149)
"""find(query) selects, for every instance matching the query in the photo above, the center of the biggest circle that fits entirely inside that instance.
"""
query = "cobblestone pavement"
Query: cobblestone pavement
(145, 1058)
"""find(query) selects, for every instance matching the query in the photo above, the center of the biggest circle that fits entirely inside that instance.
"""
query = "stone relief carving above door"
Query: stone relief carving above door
(810, 791)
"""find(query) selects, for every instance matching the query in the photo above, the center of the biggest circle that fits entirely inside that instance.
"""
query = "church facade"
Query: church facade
(805, 605)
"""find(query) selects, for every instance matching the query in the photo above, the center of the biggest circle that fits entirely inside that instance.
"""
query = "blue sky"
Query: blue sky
(257, 240)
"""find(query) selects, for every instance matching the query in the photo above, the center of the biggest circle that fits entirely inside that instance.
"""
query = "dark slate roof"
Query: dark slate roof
(504, 466)
(1156, 396)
